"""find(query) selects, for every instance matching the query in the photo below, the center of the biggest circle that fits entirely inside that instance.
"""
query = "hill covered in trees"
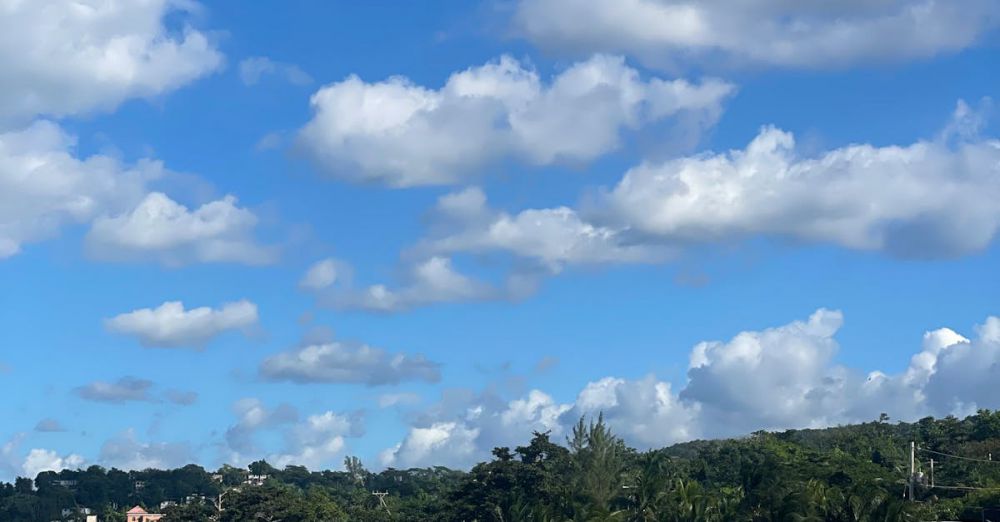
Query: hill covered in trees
(850, 473)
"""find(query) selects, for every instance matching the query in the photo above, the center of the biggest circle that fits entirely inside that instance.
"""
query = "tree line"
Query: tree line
(848, 473)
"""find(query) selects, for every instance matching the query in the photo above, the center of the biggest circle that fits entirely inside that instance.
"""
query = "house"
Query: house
(68, 484)
(69, 512)
(137, 514)
(255, 480)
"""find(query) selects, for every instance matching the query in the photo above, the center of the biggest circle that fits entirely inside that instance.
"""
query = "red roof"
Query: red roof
(137, 511)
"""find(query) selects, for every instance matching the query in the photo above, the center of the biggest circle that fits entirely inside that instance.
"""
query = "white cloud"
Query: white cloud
(127, 453)
(315, 442)
(477, 425)
(10, 461)
(69, 57)
(400, 134)
(318, 441)
(39, 460)
(433, 280)
(441, 444)
(768, 32)
(161, 229)
(320, 275)
(123, 390)
(253, 415)
(928, 199)
(553, 237)
(338, 362)
(44, 187)
(170, 325)
(777, 378)
(253, 69)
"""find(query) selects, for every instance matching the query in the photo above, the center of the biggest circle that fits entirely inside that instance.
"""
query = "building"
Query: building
(255, 480)
(70, 512)
(137, 514)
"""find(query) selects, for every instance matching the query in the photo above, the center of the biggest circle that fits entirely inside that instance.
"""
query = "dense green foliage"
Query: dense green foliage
(851, 473)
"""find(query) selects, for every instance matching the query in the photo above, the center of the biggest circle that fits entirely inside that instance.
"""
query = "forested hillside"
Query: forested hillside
(850, 473)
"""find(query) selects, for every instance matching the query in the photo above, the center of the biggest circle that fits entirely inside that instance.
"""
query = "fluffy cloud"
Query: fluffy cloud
(10, 463)
(400, 134)
(253, 69)
(127, 453)
(161, 229)
(433, 280)
(39, 460)
(318, 441)
(170, 325)
(67, 57)
(462, 429)
(315, 442)
(769, 32)
(253, 415)
(123, 390)
(320, 275)
(928, 199)
(339, 362)
(777, 378)
(553, 237)
(44, 187)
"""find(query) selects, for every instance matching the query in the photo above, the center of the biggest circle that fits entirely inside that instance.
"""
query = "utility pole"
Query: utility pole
(932, 473)
(381, 499)
(913, 468)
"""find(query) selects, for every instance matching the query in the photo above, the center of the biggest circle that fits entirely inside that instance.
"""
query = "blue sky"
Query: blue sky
(413, 231)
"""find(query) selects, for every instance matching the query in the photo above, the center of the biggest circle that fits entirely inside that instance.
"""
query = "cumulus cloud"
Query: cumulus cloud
(39, 460)
(764, 32)
(400, 134)
(66, 57)
(552, 237)
(252, 415)
(432, 280)
(170, 325)
(927, 199)
(341, 362)
(777, 378)
(44, 187)
(930, 199)
(123, 390)
(318, 441)
(163, 230)
(255, 68)
(126, 452)
(315, 442)
(462, 429)
(49, 425)
(10, 462)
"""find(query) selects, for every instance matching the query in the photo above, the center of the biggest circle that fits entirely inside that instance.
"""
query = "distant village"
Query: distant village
(141, 514)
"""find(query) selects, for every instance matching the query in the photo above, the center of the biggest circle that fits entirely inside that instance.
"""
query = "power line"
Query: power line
(958, 456)
(964, 488)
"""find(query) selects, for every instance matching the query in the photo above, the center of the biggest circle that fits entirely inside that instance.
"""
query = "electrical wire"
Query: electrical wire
(958, 456)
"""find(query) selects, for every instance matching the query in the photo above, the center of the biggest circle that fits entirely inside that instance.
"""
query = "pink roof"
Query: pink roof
(137, 511)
